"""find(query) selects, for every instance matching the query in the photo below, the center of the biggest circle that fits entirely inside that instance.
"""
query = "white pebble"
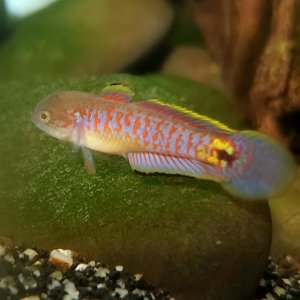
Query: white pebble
(279, 290)
(13, 289)
(30, 253)
(56, 275)
(29, 283)
(270, 297)
(286, 281)
(54, 283)
(102, 272)
(138, 277)
(2, 250)
(81, 267)
(9, 258)
(61, 258)
(119, 268)
(70, 289)
(273, 283)
(122, 292)
(262, 282)
(92, 263)
(152, 296)
(101, 285)
(121, 283)
(138, 292)
(37, 273)
(3, 284)
(21, 277)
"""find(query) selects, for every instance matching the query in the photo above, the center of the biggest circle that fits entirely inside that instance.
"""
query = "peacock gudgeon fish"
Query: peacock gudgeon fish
(157, 137)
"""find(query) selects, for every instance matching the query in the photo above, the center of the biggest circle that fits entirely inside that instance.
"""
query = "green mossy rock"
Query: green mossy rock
(77, 37)
(184, 234)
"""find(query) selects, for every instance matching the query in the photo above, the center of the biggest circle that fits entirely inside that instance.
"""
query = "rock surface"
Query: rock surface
(71, 38)
(193, 63)
(187, 236)
(285, 212)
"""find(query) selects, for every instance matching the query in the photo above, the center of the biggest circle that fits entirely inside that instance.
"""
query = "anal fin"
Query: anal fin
(159, 163)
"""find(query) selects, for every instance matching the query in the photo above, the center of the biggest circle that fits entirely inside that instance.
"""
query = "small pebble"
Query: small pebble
(81, 267)
(29, 283)
(9, 258)
(57, 275)
(30, 253)
(279, 291)
(21, 277)
(262, 282)
(54, 284)
(2, 250)
(138, 292)
(13, 289)
(92, 263)
(121, 283)
(270, 297)
(286, 281)
(102, 272)
(71, 290)
(119, 268)
(44, 296)
(101, 285)
(61, 258)
(31, 298)
(122, 292)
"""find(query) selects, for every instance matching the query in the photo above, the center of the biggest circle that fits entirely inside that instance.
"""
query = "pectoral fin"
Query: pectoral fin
(88, 159)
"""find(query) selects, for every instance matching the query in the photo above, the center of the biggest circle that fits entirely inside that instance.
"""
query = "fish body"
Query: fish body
(163, 138)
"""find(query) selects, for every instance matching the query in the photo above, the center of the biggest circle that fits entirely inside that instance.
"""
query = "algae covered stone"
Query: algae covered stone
(184, 234)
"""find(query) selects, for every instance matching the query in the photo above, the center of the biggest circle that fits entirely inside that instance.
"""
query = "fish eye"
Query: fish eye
(44, 117)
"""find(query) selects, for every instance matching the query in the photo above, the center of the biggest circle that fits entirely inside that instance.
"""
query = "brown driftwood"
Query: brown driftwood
(257, 45)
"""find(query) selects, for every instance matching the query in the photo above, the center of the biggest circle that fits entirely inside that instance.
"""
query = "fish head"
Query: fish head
(56, 114)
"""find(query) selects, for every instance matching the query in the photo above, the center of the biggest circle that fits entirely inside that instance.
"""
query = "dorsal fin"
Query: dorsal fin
(179, 113)
(117, 92)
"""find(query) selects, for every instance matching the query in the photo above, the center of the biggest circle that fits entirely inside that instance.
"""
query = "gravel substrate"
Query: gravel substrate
(281, 280)
(33, 274)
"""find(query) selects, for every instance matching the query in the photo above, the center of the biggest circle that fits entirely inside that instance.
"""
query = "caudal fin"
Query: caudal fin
(264, 168)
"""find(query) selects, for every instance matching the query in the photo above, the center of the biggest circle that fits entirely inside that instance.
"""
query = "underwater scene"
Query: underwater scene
(149, 149)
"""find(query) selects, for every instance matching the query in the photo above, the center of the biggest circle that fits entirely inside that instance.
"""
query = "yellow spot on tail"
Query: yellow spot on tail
(210, 154)
(223, 145)
(213, 158)
(201, 153)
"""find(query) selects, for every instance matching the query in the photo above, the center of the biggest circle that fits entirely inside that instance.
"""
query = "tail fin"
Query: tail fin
(264, 168)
